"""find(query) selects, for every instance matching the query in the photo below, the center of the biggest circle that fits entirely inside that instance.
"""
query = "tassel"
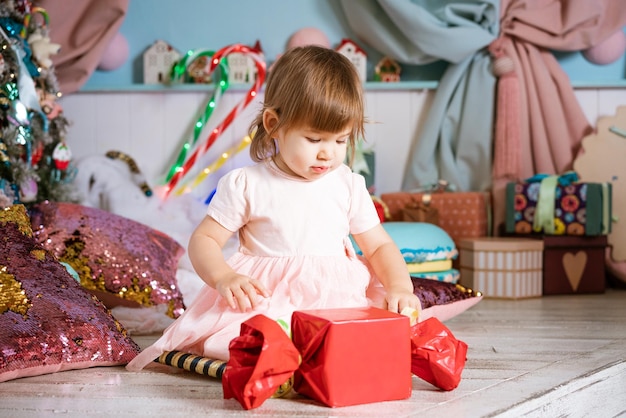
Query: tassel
(507, 133)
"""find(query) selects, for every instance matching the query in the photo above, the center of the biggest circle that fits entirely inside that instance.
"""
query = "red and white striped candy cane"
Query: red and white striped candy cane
(215, 133)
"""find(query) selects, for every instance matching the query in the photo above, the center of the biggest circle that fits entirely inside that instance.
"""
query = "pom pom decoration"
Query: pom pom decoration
(607, 51)
(308, 36)
(115, 54)
(215, 133)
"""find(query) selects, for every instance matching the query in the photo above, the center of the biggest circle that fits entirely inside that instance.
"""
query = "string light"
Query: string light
(178, 72)
(217, 59)
(215, 165)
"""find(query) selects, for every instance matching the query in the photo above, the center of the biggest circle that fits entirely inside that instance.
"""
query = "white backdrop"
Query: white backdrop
(152, 126)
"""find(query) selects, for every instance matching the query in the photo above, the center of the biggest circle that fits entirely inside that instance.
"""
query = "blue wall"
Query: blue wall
(212, 24)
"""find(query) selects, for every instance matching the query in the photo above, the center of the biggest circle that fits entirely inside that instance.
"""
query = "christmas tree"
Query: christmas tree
(35, 162)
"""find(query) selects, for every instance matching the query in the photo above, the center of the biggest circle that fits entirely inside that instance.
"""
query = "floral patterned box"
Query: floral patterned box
(559, 209)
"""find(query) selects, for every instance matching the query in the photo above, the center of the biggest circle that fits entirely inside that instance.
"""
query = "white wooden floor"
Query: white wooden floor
(546, 357)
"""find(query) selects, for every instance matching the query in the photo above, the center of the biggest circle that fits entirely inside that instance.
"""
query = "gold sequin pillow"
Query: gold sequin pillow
(121, 261)
(48, 322)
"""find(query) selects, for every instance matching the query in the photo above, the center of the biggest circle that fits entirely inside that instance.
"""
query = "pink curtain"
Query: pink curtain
(544, 126)
(84, 29)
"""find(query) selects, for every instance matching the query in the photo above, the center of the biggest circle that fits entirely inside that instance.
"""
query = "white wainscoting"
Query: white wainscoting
(152, 126)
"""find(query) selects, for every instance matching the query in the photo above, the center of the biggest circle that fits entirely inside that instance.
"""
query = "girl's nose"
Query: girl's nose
(325, 153)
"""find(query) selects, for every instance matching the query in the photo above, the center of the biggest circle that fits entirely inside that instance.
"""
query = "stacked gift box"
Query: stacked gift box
(556, 237)
(502, 267)
(460, 214)
(573, 219)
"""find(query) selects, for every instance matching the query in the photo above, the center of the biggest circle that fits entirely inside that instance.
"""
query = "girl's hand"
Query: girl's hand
(241, 292)
(399, 299)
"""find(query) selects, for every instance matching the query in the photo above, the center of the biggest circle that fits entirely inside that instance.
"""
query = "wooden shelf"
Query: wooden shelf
(368, 86)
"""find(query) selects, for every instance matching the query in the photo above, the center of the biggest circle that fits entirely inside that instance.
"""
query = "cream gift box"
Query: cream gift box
(502, 267)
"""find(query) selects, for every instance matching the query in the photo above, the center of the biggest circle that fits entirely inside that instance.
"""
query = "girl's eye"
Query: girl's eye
(313, 140)
(342, 141)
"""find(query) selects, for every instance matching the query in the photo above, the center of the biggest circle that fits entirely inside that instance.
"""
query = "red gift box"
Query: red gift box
(352, 356)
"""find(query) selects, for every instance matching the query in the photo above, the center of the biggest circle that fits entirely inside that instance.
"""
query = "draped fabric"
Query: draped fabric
(543, 123)
(84, 29)
(455, 142)
(550, 119)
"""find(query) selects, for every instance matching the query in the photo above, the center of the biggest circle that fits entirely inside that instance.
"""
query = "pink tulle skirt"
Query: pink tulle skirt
(295, 283)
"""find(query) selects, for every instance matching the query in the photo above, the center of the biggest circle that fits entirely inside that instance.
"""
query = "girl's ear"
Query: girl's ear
(270, 120)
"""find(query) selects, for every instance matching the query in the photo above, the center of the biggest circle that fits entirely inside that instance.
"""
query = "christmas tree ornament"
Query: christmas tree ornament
(36, 153)
(28, 134)
(28, 190)
(61, 156)
(42, 48)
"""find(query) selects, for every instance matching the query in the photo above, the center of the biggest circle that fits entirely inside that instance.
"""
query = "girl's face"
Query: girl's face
(311, 154)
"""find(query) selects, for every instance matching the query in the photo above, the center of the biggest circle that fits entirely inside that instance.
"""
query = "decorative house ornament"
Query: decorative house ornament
(158, 60)
(198, 71)
(387, 70)
(354, 53)
(242, 68)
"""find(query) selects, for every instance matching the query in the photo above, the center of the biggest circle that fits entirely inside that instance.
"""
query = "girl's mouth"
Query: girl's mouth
(319, 169)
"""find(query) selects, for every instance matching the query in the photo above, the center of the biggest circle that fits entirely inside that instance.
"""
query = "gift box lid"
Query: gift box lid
(501, 244)
(340, 315)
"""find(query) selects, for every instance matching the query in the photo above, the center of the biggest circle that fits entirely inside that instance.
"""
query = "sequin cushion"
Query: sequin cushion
(443, 300)
(48, 322)
(121, 261)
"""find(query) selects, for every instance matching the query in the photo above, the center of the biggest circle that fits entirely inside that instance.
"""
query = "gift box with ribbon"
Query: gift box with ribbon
(341, 357)
(352, 356)
(558, 205)
(460, 214)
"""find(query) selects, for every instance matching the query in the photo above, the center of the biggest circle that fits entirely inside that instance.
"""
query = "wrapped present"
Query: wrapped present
(558, 205)
(573, 264)
(338, 357)
(352, 356)
(460, 214)
(503, 267)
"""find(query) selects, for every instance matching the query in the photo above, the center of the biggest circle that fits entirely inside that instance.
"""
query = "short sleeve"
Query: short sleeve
(230, 204)
(363, 215)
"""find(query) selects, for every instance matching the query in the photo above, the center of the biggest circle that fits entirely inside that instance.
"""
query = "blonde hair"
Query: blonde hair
(314, 87)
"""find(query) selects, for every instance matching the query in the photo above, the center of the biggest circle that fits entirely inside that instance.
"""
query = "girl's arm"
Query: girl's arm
(390, 268)
(205, 253)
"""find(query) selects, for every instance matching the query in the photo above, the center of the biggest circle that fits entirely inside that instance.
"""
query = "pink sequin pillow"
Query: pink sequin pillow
(121, 261)
(443, 300)
(48, 322)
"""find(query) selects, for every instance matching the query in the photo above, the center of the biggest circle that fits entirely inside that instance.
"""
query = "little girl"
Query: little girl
(294, 211)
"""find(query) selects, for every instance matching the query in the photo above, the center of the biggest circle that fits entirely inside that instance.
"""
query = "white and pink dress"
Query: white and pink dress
(294, 238)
